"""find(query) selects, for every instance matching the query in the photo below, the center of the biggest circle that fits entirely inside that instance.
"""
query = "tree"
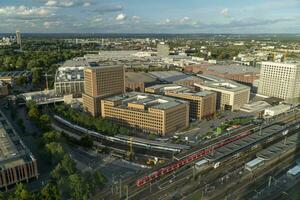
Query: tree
(78, 189)
(50, 192)
(34, 113)
(56, 151)
(45, 121)
(20, 63)
(68, 164)
(36, 76)
(32, 64)
(86, 141)
(21, 80)
(51, 136)
(21, 192)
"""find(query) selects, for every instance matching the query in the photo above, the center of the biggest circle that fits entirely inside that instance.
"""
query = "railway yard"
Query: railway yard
(211, 170)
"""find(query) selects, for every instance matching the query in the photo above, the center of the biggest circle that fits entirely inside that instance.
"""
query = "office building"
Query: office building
(230, 95)
(101, 81)
(163, 50)
(16, 162)
(69, 78)
(281, 80)
(147, 112)
(18, 36)
(202, 104)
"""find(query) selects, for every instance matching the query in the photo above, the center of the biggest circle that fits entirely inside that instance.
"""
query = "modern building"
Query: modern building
(256, 108)
(202, 104)
(163, 50)
(3, 89)
(69, 78)
(230, 95)
(280, 80)
(147, 112)
(276, 110)
(101, 81)
(16, 162)
(138, 81)
(18, 36)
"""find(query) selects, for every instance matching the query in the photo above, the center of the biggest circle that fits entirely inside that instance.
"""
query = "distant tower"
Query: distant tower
(19, 42)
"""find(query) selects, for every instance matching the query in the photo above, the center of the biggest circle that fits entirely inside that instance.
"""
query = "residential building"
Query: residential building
(202, 104)
(16, 162)
(147, 112)
(230, 95)
(280, 80)
(101, 81)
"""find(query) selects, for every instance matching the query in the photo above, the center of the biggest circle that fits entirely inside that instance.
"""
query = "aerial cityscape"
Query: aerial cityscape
(149, 100)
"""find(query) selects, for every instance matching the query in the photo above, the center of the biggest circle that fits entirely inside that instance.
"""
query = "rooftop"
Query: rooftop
(257, 106)
(147, 100)
(133, 77)
(233, 69)
(15, 73)
(169, 76)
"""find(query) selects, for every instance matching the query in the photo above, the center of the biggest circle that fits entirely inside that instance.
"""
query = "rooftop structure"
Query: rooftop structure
(230, 95)
(202, 104)
(16, 162)
(255, 107)
(147, 112)
(137, 81)
(276, 110)
(175, 77)
(69, 78)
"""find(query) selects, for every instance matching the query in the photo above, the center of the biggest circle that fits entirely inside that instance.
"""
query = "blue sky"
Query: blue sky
(150, 16)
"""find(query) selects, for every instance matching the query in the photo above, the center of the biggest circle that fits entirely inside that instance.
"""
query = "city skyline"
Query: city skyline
(133, 16)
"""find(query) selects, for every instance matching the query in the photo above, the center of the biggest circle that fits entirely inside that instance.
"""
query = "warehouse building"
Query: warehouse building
(202, 104)
(138, 81)
(146, 112)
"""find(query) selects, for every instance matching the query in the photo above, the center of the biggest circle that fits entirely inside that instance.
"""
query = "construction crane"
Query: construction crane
(130, 152)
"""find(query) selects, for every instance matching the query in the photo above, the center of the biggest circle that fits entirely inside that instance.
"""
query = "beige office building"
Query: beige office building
(100, 82)
(202, 104)
(230, 95)
(280, 80)
(147, 112)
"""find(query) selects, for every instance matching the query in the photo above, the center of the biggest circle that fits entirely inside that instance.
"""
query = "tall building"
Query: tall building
(202, 104)
(18, 36)
(101, 81)
(147, 112)
(280, 80)
(230, 95)
(163, 50)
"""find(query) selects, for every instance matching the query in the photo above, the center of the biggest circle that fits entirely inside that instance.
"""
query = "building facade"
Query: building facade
(202, 104)
(100, 82)
(281, 80)
(146, 112)
(230, 95)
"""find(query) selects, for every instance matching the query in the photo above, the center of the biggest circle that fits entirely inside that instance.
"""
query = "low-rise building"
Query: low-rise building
(69, 78)
(230, 95)
(16, 162)
(276, 110)
(138, 81)
(3, 89)
(202, 104)
(147, 112)
(257, 107)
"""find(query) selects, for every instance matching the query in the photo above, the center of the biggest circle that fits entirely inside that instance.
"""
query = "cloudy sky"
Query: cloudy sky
(150, 16)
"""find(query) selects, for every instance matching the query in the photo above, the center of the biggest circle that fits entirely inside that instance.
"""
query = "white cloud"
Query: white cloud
(87, 4)
(225, 12)
(97, 20)
(49, 24)
(136, 19)
(184, 20)
(167, 21)
(121, 17)
(23, 12)
(51, 3)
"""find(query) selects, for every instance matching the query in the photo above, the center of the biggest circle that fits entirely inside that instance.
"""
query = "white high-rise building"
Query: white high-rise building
(18, 36)
(280, 80)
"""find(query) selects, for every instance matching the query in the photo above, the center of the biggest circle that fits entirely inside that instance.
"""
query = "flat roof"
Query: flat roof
(148, 100)
(254, 162)
(15, 73)
(294, 171)
(257, 106)
(133, 77)
(169, 76)
(232, 69)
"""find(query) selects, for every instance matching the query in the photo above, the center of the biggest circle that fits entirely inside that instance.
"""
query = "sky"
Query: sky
(150, 16)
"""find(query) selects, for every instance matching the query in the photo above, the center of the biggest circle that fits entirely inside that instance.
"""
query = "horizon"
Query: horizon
(162, 17)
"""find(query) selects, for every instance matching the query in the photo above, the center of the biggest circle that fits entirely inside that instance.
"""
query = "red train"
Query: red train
(201, 153)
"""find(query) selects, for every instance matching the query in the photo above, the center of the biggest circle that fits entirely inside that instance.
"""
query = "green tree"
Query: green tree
(21, 192)
(44, 121)
(21, 80)
(51, 136)
(78, 189)
(50, 192)
(36, 75)
(34, 113)
(68, 164)
(20, 63)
